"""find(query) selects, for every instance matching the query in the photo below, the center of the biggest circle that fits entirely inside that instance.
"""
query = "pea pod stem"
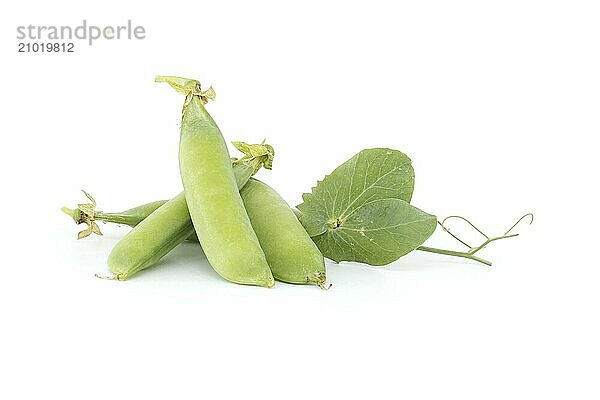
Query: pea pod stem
(119, 218)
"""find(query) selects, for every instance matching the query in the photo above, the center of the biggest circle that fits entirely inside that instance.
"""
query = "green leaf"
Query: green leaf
(361, 211)
(372, 174)
(378, 233)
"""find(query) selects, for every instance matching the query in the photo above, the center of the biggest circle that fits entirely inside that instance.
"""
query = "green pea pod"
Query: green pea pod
(291, 253)
(213, 199)
(151, 239)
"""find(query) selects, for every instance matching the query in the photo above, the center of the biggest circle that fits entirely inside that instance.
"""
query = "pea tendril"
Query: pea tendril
(470, 253)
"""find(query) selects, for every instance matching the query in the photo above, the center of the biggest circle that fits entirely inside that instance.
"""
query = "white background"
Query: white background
(495, 102)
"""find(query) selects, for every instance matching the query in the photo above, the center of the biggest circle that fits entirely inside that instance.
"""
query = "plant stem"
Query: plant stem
(455, 254)
(68, 211)
(116, 218)
(75, 214)
(490, 240)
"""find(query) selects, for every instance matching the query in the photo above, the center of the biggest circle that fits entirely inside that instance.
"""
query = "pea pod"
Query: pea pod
(291, 253)
(212, 196)
(151, 239)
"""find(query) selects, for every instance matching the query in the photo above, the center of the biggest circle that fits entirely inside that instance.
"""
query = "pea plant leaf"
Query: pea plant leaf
(370, 175)
(361, 211)
(378, 233)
